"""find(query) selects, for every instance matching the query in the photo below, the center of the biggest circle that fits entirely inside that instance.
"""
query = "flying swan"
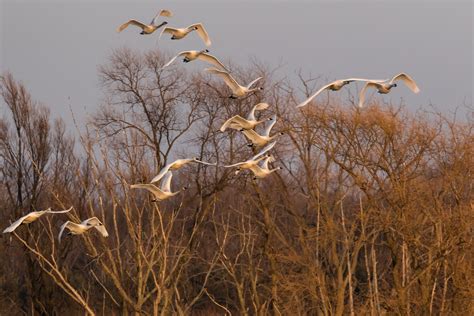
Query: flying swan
(81, 228)
(237, 90)
(252, 161)
(384, 87)
(261, 140)
(238, 122)
(203, 55)
(147, 28)
(334, 86)
(31, 217)
(160, 193)
(178, 164)
(263, 171)
(177, 34)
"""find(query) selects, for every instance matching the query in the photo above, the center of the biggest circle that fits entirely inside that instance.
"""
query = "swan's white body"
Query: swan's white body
(180, 33)
(334, 86)
(176, 165)
(238, 91)
(31, 217)
(384, 87)
(252, 161)
(160, 193)
(261, 140)
(147, 28)
(238, 122)
(81, 228)
(203, 55)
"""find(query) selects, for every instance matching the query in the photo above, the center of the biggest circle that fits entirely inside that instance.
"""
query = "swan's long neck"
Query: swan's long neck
(160, 25)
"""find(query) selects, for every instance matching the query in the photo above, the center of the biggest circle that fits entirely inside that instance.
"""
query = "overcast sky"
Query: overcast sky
(54, 47)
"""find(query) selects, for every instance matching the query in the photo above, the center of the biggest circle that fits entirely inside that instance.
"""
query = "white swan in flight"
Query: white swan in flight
(177, 34)
(160, 193)
(238, 122)
(237, 90)
(147, 28)
(263, 171)
(203, 55)
(261, 140)
(31, 217)
(178, 164)
(252, 161)
(81, 228)
(385, 86)
(334, 86)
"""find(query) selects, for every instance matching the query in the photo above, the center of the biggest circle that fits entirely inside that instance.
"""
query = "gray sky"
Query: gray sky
(54, 47)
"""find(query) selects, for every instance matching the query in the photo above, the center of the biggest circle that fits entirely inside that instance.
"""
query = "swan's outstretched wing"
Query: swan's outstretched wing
(253, 82)
(270, 126)
(266, 161)
(365, 80)
(314, 95)
(256, 107)
(205, 163)
(264, 150)
(59, 212)
(147, 186)
(228, 79)
(174, 58)
(68, 225)
(162, 172)
(208, 58)
(168, 30)
(132, 22)
(166, 182)
(362, 91)
(235, 164)
(92, 221)
(252, 135)
(261, 106)
(410, 83)
(166, 13)
(15, 224)
(201, 32)
(237, 119)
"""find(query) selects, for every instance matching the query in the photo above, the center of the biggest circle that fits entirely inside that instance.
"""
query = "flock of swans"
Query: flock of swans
(160, 185)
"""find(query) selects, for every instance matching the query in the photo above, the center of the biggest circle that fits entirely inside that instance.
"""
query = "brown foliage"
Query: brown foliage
(372, 214)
